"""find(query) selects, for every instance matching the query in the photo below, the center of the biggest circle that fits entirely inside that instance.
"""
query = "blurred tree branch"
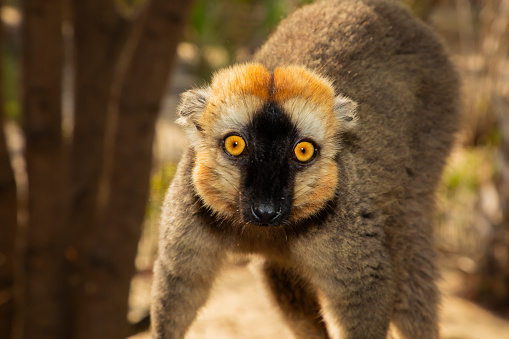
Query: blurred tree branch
(43, 313)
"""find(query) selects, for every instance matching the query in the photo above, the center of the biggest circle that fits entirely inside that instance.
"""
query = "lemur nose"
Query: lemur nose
(265, 213)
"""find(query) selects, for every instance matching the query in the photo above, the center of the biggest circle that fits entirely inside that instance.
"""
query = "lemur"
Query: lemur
(322, 156)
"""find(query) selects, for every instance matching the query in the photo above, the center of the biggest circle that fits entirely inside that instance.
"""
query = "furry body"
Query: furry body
(347, 235)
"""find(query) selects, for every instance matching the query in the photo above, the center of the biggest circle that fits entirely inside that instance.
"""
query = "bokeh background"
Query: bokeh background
(88, 147)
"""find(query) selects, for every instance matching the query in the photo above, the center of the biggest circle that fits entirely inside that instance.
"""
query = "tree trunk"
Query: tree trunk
(100, 38)
(43, 307)
(125, 187)
(8, 220)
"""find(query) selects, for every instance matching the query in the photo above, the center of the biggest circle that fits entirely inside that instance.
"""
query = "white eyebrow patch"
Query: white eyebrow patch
(236, 112)
(308, 116)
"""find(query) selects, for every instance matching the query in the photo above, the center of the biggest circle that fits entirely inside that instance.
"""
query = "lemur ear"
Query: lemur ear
(346, 112)
(191, 107)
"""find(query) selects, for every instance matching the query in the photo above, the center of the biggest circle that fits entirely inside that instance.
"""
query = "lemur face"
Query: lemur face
(265, 142)
(268, 164)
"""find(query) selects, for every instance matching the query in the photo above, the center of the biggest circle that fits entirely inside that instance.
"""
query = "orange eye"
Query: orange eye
(234, 145)
(304, 151)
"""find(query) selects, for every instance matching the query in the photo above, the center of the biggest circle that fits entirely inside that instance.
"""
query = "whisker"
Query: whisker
(233, 185)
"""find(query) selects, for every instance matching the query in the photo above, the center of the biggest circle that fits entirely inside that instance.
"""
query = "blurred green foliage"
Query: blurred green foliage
(14, 3)
(129, 7)
(234, 22)
(10, 74)
(237, 27)
(132, 3)
(421, 8)
(463, 173)
(159, 184)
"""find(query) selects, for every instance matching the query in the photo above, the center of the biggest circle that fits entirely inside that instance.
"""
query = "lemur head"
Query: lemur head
(266, 142)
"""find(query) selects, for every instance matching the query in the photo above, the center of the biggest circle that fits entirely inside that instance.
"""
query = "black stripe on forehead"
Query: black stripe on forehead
(271, 125)
(268, 173)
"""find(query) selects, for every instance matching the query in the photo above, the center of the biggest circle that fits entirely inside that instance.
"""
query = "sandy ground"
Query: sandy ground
(239, 307)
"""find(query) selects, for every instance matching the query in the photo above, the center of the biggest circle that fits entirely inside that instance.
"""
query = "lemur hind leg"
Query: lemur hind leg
(416, 307)
(297, 301)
